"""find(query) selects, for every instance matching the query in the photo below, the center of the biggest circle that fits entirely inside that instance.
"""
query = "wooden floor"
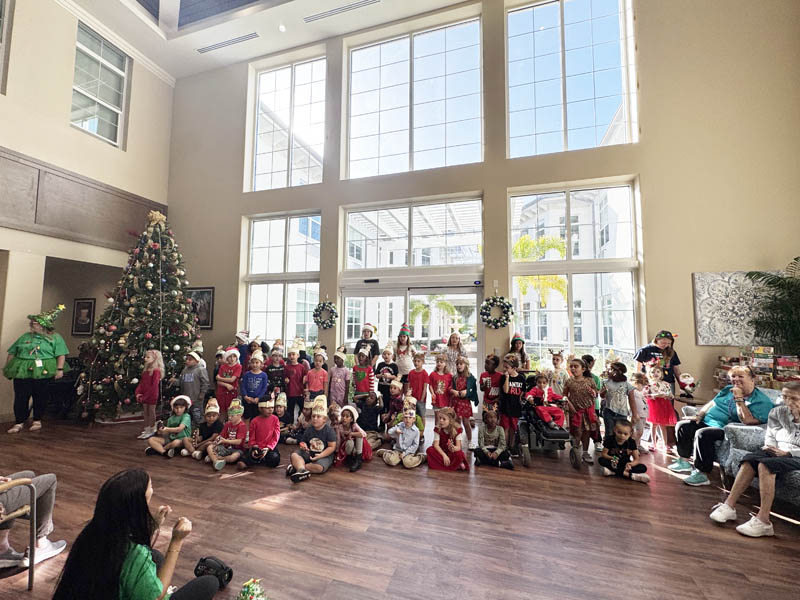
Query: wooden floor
(545, 532)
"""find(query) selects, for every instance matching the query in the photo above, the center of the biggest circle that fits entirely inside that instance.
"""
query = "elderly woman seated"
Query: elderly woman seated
(741, 402)
(780, 455)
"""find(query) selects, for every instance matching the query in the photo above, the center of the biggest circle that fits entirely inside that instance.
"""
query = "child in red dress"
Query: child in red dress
(463, 394)
(440, 381)
(148, 390)
(351, 446)
(660, 413)
(228, 380)
(542, 397)
(446, 453)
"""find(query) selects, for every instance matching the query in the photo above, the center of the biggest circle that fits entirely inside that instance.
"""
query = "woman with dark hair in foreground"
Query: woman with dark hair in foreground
(113, 557)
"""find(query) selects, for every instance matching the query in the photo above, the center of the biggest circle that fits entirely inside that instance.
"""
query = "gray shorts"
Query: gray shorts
(223, 451)
(325, 463)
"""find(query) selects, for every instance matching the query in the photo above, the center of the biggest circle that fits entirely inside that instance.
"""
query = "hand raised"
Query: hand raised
(182, 529)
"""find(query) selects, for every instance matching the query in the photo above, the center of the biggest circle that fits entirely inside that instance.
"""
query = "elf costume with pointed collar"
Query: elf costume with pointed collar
(35, 355)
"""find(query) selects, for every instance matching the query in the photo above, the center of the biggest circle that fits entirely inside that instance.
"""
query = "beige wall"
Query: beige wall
(717, 162)
(35, 111)
(65, 280)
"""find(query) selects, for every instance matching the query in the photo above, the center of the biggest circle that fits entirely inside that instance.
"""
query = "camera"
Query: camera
(211, 565)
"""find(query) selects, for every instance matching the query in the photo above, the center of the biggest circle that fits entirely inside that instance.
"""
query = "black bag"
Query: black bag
(211, 565)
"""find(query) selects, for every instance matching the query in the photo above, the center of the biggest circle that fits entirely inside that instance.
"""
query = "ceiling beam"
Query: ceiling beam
(168, 13)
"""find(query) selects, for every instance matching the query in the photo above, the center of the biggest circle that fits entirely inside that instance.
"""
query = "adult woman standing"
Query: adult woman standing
(33, 360)
(113, 557)
(779, 455)
(662, 348)
(741, 402)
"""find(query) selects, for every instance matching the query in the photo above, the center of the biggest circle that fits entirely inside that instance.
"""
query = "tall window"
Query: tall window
(449, 233)
(290, 126)
(283, 277)
(99, 86)
(576, 282)
(571, 76)
(415, 102)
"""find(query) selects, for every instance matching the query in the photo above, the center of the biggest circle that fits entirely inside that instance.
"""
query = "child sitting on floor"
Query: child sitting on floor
(406, 437)
(303, 421)
(230, 443)
(394, 401)
(283, 416)
(206, 433)
(446, 453)
(368, 419)
(334, 410)
(491, 448)
(317, 446)
(170, 437)
(265, 431)
(351, 445)
(620, 454)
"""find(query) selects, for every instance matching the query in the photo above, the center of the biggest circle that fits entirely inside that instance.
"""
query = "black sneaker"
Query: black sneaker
(299, 476)
(290, 470)
(150, 451)
(507, 464)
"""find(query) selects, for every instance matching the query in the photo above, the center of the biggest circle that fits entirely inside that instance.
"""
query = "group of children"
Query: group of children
(337, 415)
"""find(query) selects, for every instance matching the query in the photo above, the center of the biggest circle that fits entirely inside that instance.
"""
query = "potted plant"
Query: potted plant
(778, 307)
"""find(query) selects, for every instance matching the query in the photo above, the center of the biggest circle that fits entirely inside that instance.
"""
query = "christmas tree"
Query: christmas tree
(252, 590)
(147, 310)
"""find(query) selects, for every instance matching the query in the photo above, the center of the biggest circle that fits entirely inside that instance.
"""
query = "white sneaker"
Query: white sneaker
(607, 472)
(197, 455)
(755, 527)
(598, 446)
(640, 477)
(49, 551)
(587, 458)
(184, 452)
(722, 513)
(207, 458)
(16, 428)
(643, 450)
(145, 434)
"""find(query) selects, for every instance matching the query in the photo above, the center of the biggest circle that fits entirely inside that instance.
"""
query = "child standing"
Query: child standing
(294, 372)
(558, 376)
(464, 394)
(619, 403)
(363, 375)
(580, 393)
(440, 381)
(230, 443)
(406, 437)
(339, 377)
(491, 450)
(386, 372)
(275, 372)
(194, 384)
(418, 384)
(620, 454)
(639, 381)
(598, 383)
(367, 341)
(170, 437)
(264, 434)
(317, 446)
(315, 381)
(148, 391)
(404, 354)
(206, 433)
(446, 453)
(230, 372)
(518, 348)
(368, 419)
(511, 398)
(254, 385)
(453, 350)
(660, 414)
(351, 440)
(491, 382)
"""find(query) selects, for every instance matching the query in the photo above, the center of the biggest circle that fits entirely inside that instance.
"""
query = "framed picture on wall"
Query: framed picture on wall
(202, 305)
(82, 316)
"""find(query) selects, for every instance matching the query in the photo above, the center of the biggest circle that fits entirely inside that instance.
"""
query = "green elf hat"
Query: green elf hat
(404, 330)
(45, 319)
(516, 337)
(235, 408)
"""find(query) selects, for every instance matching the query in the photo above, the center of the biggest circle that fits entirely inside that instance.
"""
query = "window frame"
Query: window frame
(6, 23)
(410, 206)
(577, 266)
(347, 87)
(627, 66)
(292, 65)
(122, 112)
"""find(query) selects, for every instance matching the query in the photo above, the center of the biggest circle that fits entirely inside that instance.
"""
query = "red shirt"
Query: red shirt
(264, 432)
(234, 432)
(364, 378)
(148, 389)
(418, 383)
(230, 371)
(295, 374)
(441, 385)
(536, 395)
(490, 384)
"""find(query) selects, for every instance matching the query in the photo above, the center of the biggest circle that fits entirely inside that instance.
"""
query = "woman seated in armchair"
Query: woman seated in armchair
(780, 455)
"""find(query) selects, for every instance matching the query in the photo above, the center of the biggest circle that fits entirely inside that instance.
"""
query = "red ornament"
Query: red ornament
(127, 400)
(136, 251)
(155, 246)
(148, 335)
(112, 327)
(96, 405)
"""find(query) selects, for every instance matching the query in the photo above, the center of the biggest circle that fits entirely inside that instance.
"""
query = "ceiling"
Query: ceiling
(187, 25)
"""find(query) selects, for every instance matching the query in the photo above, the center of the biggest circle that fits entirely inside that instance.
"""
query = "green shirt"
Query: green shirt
(34, 356)
(138, 578)
(176, 421)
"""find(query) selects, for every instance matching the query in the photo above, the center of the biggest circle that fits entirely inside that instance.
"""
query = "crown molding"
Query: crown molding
(84, 16)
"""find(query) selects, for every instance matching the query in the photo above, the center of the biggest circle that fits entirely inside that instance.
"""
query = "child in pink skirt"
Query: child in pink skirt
(661, 414)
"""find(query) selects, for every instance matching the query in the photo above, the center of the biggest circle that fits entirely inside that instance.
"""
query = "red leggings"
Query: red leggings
(435, 460)
(551, 413)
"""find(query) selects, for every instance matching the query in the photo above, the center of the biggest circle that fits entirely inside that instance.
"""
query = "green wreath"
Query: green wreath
(321, 309)
(506, 312)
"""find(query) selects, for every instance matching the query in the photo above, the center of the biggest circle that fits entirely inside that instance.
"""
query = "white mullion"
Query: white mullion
(92, 54)
(83, 92)
(411, 102)
(568, 223)
(626, 90)
(285, 312)
(409, 260)
(570, 324)
(286, 244)
(255, 135)
(563, 74)
(290, 132)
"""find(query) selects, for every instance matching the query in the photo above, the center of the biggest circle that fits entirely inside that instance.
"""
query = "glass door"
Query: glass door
(386, 312)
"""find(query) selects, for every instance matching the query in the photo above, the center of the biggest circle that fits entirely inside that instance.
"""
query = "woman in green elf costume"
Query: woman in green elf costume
(33, 360)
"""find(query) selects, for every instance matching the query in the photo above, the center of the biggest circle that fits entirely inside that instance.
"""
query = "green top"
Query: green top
(34, 356)
(176, 421)
(138, 578)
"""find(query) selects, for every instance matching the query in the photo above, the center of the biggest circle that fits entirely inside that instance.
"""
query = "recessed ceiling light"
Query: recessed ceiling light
(282, 28)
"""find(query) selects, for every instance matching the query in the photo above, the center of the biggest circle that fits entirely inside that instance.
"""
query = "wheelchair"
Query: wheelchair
(535, 433)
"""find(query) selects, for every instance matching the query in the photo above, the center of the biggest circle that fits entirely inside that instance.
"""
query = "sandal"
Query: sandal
(16, 428)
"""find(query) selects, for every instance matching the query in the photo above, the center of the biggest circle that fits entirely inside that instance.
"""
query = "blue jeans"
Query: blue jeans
(610, 418)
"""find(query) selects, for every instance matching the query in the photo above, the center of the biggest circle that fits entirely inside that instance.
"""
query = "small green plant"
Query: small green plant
(777, 304)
